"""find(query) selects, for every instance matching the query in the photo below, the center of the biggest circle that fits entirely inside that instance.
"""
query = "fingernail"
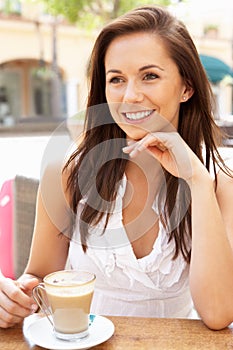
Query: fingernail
(125, 149)
(133, 153)
(130, 142)
(34, 307)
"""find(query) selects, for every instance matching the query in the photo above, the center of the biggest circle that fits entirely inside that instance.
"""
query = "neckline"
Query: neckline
(156, 246)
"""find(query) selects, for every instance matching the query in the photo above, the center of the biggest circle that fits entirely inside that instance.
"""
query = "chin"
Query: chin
(134, 132)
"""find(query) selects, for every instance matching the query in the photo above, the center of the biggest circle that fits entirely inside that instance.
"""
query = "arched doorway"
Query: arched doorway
(30, 89)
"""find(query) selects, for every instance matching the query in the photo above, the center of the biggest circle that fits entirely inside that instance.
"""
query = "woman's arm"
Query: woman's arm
(211, 266)
(48, 251)
(50, 243)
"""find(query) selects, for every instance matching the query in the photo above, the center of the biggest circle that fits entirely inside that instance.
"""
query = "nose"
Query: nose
(133, 93)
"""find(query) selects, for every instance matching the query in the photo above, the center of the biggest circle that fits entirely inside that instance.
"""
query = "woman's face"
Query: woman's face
(143, 86)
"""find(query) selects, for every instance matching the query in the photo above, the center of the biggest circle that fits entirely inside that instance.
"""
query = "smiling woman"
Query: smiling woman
(137, 90)
(139, 203)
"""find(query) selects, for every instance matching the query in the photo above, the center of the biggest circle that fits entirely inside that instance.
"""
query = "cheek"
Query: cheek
(169, 101)
(113, 95)
(106, 94)
(113, 108)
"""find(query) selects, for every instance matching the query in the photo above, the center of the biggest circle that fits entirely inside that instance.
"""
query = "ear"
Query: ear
(187, 93)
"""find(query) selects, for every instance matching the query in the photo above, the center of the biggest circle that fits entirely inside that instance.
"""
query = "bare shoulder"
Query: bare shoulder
(54, 178)
(225, 178)
(224, 190)
(57, 168)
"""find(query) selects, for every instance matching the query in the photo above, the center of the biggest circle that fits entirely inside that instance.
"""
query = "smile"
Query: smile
(137, 116)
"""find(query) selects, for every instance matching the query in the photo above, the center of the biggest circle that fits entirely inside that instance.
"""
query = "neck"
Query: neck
(144, 164)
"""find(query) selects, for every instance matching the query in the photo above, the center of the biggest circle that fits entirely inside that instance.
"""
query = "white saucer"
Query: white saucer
(38, 330)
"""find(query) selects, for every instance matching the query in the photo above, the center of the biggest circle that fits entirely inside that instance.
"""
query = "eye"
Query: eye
(115, 80)
(150, 76)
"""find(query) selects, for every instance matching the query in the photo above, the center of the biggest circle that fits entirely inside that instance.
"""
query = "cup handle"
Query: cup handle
(37, 292)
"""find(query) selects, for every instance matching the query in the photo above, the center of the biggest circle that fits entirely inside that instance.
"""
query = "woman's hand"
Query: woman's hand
(16, 300)
(171, 151)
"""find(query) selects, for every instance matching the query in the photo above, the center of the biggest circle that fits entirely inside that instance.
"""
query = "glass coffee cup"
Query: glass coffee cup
(65, 298)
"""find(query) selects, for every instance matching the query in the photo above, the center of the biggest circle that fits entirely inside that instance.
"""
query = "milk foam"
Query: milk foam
(69, 283)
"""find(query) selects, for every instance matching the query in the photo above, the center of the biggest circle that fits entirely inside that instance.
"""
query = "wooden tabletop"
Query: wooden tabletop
(143, 333)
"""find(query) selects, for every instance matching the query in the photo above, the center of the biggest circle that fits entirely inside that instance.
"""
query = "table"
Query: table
(132, 333)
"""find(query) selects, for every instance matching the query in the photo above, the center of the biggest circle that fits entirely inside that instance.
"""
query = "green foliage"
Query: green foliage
(70, 9)
(126, 5)
(10, 7)
(93, 13)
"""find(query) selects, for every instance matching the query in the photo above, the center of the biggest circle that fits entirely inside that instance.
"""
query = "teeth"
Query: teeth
(138, 115)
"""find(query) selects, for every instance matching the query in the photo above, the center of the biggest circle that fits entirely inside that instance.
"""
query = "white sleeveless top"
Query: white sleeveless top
(153, 286)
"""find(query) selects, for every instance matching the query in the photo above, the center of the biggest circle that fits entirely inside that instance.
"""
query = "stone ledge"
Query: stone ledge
(33, 127)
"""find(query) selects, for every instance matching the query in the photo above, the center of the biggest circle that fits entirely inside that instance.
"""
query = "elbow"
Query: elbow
(215, 308)
(216, 320)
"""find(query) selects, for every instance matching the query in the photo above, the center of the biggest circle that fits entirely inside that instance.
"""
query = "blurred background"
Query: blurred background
(45, 46)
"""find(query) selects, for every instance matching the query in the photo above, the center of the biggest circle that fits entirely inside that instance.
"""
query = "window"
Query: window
(31, 90)
(11, 94)
(10, 7)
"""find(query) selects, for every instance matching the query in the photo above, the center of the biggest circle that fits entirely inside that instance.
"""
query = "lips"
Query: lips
(137, 116)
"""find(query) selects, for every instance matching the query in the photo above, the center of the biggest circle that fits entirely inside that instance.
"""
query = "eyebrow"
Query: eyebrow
(150, 66)
(113, 71)
(140, 69)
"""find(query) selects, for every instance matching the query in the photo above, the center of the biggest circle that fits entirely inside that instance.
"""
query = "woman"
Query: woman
(148, 218)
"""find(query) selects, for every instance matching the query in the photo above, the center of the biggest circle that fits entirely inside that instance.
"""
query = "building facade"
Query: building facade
(43, 60)
(211, 26)
(43, 65)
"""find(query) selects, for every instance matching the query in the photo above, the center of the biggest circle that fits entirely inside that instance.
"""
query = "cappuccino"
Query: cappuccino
(70, 312)
(66, 296)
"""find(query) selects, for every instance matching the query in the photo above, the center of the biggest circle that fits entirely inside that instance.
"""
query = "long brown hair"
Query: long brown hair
(103, 140)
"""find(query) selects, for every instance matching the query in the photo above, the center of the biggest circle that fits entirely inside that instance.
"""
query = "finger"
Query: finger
(14, 308)
(134, 152)
(129, 148)
(5, 324)
(27, 285)
(161, 146)
(10, 312)
(157, 140)
(131, 142)
(134, 147)
(12, 291)
(149, 140)
(7, 319)
(153, 140)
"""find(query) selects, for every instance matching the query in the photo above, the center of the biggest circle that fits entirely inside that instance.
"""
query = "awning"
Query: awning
(215, 68)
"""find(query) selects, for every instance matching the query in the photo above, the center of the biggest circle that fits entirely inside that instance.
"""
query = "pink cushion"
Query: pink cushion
(6, 229)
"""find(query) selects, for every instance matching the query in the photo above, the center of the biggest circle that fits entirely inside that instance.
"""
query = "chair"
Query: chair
(17, 218)
(17, 214)
(24, 194)
(6, 229)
